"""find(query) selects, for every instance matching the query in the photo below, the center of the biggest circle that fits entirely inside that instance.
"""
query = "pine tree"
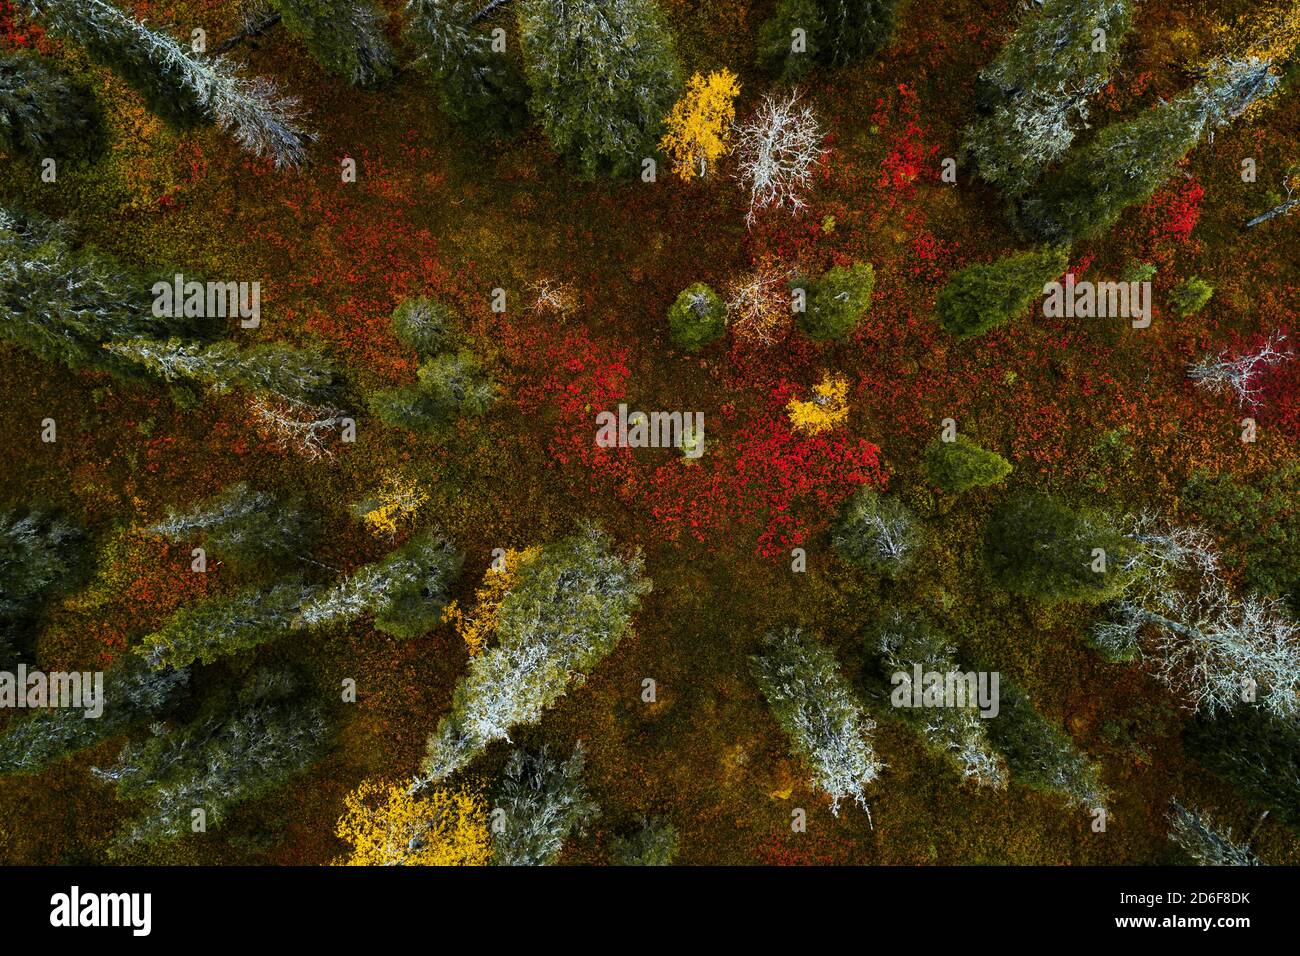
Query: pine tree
(477, 85)
(226, 625)
(1040, 754)
(133, 693)
(542, 802)
(568, 609)
(242, 525)
(1256, 752)
(65, 303)
(1038, 547)
(838, 301)
(812, 703)
(777, 40)
(603, 75)
(983, 296)
(42, 112)
(960, 465)
(405, 591)
(344, 36)
(877, 533)
(240, 746)
(182, 87)
(697, 317)
(1035, 93)
(1127, 162)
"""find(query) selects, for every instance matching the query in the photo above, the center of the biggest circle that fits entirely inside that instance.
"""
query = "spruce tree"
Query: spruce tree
(425, 326)
(958, 733)
(451, 386)
(39, 559)
(65, 303)
(1034, 95)
(344, 36)
(983, 296)
(569, 608)
(810, 700)
(837, 302)
(855, 29)
(542, 802)
(1038, 547)
(1127, 162)
(185, 88)
(240, 746)
(226, 625)
(877, 533)
(603, 75)
(655, 843)
(697, 317)
(405, 591)
(478, 86)
(960, 465)
(1254, 751)
(777, 39)
(42, 112)
(133, 694)
(1040, 754)
(241, 525)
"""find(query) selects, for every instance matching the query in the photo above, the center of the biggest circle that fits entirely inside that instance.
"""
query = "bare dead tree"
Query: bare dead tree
(776, 150)
(1241, 374)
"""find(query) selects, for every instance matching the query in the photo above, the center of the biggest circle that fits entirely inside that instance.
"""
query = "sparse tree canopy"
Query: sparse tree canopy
(776, 150)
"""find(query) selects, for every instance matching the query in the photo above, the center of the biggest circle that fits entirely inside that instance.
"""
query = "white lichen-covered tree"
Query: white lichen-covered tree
(1177, 613)
(776, 151)
(182, 86)
(241, 524)
(1240, 375)
(877, 533)
(541, 803)
(1035, 93)
(569, 608)
(812, 703)
(957, 732)
(1204, 842)
(406, 591)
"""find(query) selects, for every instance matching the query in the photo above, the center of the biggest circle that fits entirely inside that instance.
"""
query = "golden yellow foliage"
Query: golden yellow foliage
(828, 409)
(479, 624)
(699, 124)
(387, 826)
(400, 499)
